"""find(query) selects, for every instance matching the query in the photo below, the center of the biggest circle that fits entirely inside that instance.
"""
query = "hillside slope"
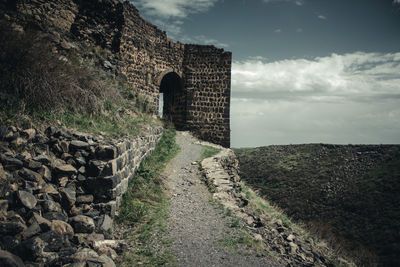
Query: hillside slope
(348, 194)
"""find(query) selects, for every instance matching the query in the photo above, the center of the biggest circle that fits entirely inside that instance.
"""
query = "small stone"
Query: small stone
(82, 224)
(82, 170)
(18, 142)
(8, 259)
(50, 189)
(64, 146)
(293, 248)
(81, 161)
(106, 223)
(28, 134)
(290, 238)
(258, 237)
(68, 197)
(62, 181)
(194, 163)
(44, 159)
(27, 199)
(45, 172)
(85, 199)
(50, 131)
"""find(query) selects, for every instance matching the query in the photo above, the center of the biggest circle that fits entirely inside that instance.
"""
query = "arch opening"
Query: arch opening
(172, 99)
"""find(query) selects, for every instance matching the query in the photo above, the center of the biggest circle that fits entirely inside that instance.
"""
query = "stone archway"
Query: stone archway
(172, 104)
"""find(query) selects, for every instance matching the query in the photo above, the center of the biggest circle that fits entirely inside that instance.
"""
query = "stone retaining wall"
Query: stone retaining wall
(59, 191)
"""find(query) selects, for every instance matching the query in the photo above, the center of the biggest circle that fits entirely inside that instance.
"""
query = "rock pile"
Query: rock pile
(59, 191)
(290, 247)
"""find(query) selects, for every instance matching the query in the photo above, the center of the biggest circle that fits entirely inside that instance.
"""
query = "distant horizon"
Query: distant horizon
(303, 71)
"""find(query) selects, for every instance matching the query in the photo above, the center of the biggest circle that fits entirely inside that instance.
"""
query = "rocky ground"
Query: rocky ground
(196, 225)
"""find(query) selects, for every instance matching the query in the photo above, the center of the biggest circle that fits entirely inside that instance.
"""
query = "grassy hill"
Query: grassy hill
(42, 84)
(348, 195)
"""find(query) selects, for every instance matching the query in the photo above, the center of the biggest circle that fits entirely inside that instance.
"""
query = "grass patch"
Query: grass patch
(145, 207)
(238, 240)
(209, 151)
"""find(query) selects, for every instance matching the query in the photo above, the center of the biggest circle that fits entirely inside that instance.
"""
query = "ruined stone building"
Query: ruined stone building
(194, 79)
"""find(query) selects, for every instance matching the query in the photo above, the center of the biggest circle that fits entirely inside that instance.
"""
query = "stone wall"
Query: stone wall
(60, 189)
(207, 76)
(141, 54)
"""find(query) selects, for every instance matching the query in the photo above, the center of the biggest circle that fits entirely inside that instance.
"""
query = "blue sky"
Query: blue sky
(304, 71)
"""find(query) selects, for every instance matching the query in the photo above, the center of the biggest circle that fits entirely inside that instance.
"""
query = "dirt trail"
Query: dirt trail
(195, 225)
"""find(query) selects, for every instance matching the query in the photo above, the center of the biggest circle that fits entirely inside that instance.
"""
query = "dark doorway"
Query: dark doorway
(172, 100)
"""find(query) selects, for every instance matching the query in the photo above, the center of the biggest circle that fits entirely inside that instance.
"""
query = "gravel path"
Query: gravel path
(195, 224)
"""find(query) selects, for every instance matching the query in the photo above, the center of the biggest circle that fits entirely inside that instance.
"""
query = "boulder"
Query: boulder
(11, 228)
(31, 248)
(32, 164)
(32, 230)
(54, 241)
(68, 197)
(62, 228)
(77, 144)
(8, 259)
(54, 215)
(10, 163)
(65, 169)
(82, 224)
(44, 159)
(27, 199)
(50, 205)
(31, 175)
(44, 223)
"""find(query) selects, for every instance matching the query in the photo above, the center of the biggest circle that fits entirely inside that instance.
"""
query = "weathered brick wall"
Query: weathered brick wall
(207, 76)
(147, 54)
(143, 55)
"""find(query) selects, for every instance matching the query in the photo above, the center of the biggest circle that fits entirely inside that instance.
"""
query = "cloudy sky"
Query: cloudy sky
(304, 71)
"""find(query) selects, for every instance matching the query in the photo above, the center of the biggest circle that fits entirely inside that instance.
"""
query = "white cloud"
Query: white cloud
(201, 39)
(351, 98)
(173, 8)
(322, 17)
(357, 77)
(396, 1)
(297, 2)
(278, 31)
(169, 15)
(299, 30)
